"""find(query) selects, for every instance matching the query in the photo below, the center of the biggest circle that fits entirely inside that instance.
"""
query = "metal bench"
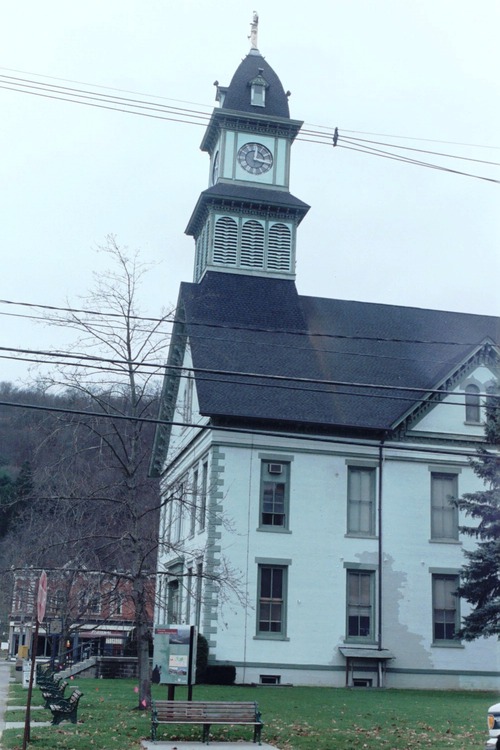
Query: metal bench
(206, 713)
(53, 692)
(65, 709)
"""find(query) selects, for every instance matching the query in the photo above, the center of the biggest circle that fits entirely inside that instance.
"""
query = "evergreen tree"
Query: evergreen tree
(480, 576)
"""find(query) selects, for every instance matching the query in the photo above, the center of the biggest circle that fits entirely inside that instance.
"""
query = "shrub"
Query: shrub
(201, 658)
(220, 674)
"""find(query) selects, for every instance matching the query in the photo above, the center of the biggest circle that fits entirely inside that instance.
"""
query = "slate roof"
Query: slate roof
(238, 92)
(262, 326)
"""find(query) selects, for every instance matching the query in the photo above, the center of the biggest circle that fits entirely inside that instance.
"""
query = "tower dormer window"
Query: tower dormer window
(258, 87)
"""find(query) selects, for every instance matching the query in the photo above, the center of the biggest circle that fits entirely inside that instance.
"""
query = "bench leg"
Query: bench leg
(154, 727)
(206, 733)
(256, 734)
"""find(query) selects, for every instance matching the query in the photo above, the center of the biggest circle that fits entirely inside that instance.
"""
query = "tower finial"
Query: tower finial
(254, 28)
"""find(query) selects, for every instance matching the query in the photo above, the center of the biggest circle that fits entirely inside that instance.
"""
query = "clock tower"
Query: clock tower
(246, 221)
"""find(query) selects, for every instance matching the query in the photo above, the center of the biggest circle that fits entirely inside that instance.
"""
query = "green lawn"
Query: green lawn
(295, 718)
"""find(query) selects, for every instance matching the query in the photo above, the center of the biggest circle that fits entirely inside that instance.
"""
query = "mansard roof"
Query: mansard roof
(261, 351)
(237, 95)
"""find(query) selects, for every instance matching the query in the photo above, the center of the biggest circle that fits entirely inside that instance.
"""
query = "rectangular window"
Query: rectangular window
(274, 494)
(445, 615)
(168, 519)
(174, 594)
(189, 593)
(177, 512)
(203, 498)
(360, 604)
(199, 594)
(272, 600)
(187, 406)
(361, 501)
(444, 515)
(194, 502)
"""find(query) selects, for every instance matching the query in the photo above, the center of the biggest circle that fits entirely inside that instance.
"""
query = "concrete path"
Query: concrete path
(6, 669)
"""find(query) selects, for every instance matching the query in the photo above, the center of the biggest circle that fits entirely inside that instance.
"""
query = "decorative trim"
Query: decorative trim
(486, 354)
(170, 392)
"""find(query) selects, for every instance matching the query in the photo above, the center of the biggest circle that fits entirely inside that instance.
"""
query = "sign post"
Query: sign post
(41, 602)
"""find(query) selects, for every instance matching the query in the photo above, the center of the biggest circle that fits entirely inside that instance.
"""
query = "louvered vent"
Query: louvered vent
(252, 245)
(199, 245)
(204, 248)
(202, 251)
(225, 241)
(279, 255)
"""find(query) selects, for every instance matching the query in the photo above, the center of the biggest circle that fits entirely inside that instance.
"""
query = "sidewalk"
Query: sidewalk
(6, 669)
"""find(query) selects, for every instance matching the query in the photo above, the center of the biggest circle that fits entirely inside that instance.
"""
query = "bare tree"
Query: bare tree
(94, 508)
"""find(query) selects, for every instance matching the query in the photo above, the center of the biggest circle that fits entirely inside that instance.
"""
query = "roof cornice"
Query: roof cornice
(273, 204)
(247, 122)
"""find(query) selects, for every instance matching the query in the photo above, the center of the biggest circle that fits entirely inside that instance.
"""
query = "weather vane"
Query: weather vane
(254, 27)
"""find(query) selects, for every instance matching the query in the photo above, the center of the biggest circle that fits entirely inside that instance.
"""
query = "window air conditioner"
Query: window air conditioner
(275, 468)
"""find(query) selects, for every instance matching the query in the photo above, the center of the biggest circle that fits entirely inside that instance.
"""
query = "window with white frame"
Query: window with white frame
(274, 494)
(203, 496)
(472, 404)
(199, 594)
(360, 605)
(178, 512)
(271, 600)
(444, 515)
(94, 604)
(194, 503)
(189, 592)
(361, 500)
(174, 594)
(445, 607)
(187, 406)
(118, 604)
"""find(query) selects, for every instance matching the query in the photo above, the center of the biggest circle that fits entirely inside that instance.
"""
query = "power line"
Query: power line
(269, 378)
(170, 318)
(419, 150)
(329, 129)
(406, 160)
(185, 116)
(466, 453)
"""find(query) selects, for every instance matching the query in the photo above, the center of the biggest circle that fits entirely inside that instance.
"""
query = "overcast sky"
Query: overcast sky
(422, 74)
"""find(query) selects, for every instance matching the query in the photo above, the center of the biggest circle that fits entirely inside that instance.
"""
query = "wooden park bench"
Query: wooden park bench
(65, 709)
(206, 713)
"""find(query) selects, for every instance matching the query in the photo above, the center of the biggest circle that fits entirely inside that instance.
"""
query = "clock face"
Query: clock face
(255, 158)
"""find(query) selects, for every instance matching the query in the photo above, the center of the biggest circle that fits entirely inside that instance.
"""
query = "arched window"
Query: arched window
(472, 404)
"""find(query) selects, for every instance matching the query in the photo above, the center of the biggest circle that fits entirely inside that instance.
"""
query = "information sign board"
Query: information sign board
(174, 655)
